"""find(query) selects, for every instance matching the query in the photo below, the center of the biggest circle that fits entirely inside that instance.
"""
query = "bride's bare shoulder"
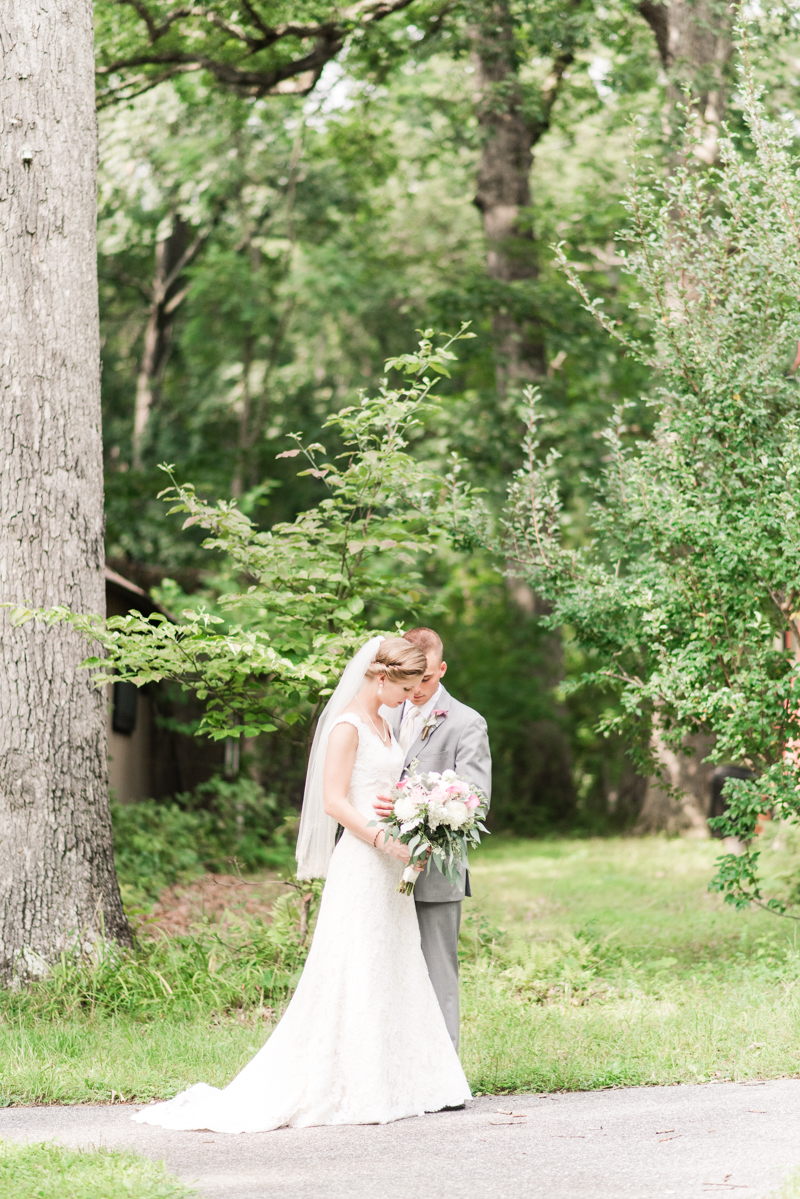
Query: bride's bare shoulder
(350, 710)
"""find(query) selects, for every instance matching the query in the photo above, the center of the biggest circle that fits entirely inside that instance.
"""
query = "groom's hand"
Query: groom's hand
(383, 806)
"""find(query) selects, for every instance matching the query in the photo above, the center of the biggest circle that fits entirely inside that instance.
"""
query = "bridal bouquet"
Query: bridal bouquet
(436, 814)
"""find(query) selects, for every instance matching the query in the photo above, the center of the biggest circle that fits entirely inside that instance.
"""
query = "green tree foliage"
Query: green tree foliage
(688, 591)
(330, 228)
(341, 228)
(261, 47)
(318, 582)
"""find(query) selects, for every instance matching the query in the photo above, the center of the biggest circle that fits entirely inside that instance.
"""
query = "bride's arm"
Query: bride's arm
(339, 761)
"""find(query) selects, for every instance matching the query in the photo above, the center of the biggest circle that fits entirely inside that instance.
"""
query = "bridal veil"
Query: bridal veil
(317, 834)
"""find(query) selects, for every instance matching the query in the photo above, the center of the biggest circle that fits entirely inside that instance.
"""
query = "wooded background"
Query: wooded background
(288, 194)
(263, 252)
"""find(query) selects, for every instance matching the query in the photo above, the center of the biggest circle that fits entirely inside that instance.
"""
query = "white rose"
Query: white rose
(457, 813)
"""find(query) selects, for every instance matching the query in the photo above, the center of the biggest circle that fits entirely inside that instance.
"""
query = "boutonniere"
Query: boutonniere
(432, 721)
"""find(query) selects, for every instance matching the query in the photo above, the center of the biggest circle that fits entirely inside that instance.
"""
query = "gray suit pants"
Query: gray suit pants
(438, 928)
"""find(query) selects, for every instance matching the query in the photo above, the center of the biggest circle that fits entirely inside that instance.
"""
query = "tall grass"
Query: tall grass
(697, 1033)
(252, 965)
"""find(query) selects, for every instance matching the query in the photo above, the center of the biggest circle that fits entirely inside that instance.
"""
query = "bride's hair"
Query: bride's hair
(398, 660)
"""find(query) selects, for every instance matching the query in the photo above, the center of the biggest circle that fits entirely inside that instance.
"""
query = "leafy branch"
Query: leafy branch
(241, 46)
(292, 601)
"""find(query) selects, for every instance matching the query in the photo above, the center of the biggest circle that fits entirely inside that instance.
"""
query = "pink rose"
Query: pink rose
(458, 788)
(440, 712)
(401, 784)
(472, 801)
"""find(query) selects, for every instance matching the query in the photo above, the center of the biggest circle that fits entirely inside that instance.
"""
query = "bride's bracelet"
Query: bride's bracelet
(375, 838)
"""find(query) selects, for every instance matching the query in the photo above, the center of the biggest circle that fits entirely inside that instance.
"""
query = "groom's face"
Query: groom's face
(430, 680)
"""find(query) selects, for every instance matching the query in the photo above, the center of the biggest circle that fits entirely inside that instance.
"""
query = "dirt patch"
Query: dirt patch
(215, 898)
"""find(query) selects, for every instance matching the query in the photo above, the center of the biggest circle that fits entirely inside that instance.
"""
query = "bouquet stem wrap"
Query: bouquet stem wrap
(409, 879)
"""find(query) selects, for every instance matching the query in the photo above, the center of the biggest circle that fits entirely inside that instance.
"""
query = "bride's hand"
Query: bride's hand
(396, 849)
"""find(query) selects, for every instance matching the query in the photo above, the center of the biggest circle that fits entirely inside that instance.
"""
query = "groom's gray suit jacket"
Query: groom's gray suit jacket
(458, 742)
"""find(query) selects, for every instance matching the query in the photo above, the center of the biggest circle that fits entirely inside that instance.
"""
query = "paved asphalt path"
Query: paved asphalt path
(643, 1143)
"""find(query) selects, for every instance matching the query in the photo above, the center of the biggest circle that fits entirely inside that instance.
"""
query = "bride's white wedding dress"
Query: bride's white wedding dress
(363, 1040)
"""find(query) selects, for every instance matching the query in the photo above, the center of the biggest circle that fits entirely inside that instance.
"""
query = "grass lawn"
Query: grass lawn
(616, 966)
(52, 1172)
(586, 964)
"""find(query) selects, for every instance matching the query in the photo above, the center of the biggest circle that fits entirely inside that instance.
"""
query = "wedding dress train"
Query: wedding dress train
(363, 1040)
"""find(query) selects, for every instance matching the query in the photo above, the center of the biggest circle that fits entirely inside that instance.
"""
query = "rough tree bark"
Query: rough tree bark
(695, 47)
(57, 880)
(503, 194)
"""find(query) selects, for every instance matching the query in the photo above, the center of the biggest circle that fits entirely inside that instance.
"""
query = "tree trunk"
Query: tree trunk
(167, 294)
(243, 444)
(685, 804)
(695, 47)
(503, 197)
(503, 193)
(57, 880)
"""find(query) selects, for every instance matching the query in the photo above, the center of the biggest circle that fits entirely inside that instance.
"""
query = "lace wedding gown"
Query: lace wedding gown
(363, 1040)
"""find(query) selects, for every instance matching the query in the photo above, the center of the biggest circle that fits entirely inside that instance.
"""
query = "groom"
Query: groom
(442, 734)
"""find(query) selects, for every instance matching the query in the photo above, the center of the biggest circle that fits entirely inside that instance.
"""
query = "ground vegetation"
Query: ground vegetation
(585, 962)
(50, 1171)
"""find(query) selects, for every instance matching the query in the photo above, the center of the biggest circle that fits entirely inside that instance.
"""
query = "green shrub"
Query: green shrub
(157, 844)
(247, 823)
(219, 824)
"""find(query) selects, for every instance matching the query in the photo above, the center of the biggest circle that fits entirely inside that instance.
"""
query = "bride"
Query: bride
(363, 1040)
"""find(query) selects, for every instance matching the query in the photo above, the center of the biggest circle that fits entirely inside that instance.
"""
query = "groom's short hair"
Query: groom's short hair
(427, 640)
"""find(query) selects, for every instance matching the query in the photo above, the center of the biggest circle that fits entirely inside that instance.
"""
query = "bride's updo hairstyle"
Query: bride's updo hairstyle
(398, 659)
